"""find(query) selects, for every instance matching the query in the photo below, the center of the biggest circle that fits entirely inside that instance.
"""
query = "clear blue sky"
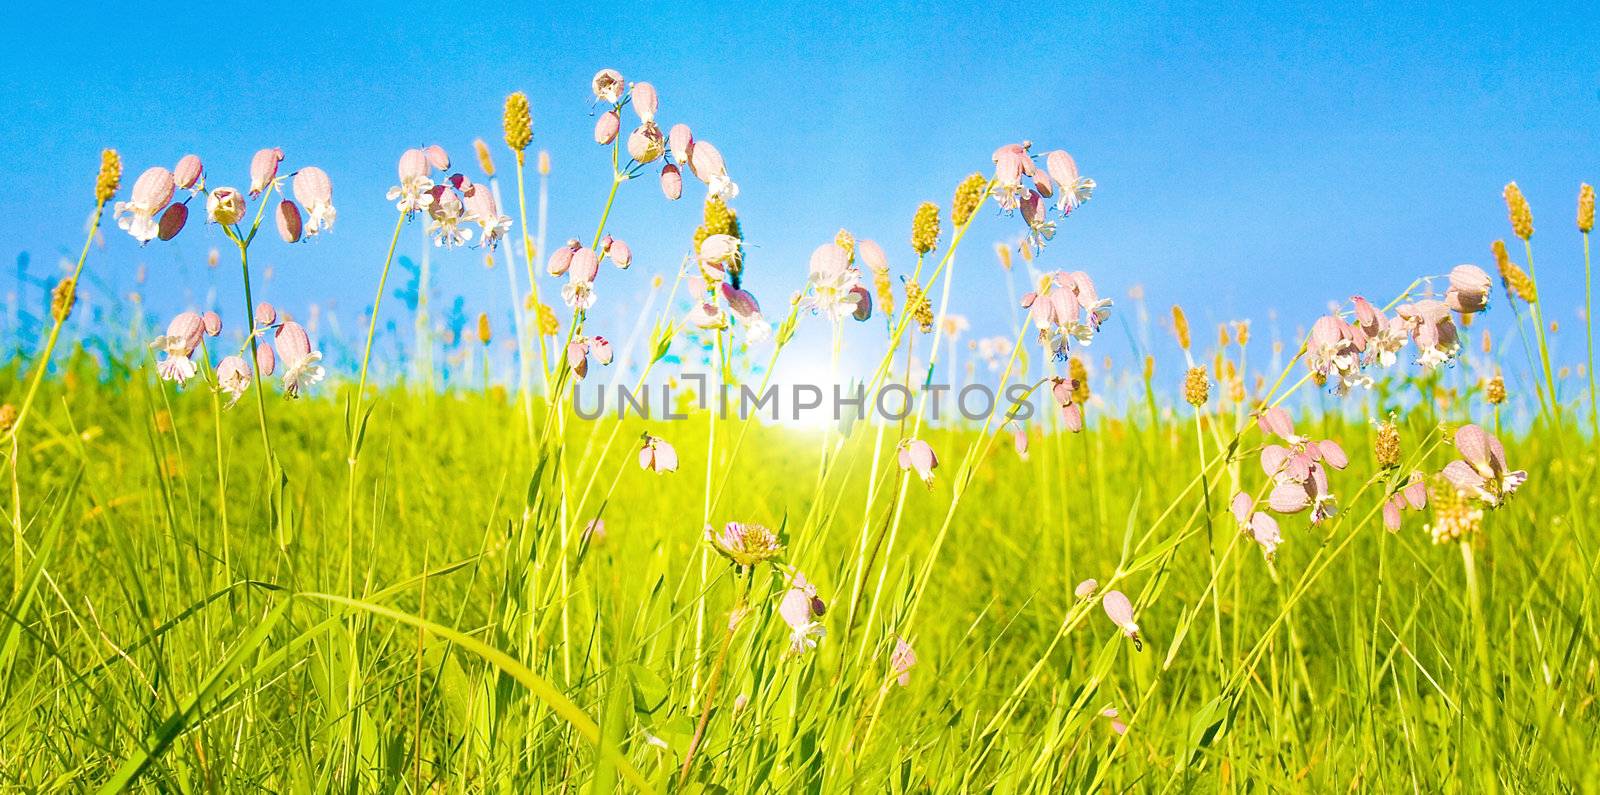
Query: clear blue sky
(1247, 158)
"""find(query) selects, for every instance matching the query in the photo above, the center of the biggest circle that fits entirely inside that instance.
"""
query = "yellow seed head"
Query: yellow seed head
(1149, 368)
(8, 418)
(1516, 280)
(549, 326)
(1495, 390)
(884, 287)
(483, 328)
(1586, 208)
(1003, 251)
(1180, 326)
(1223, 340)
(544, 163)
(1080, 380)
(925, 228)
(1386, 448)
(918, 305)
(969, 195)
(62, 298)
(518, 123)
(110, 177)
(485, 162)
(1196, 387)
(1241, 332)
(1521, 214)
(846, 241)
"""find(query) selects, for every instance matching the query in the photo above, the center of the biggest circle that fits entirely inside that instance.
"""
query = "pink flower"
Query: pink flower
(1011, 164)
(189, 174)
(800, 608)
(645, 101)
(585, 265)
(742, 303)
(225, 206)
(606, 127)
(480, 206)
(901, 661)
(680, 141)
(289, 222)
(1072, 188)
(657, 456)
(578, 357)
(918, 455)
(1117, 725)
(671, 182)
(561, 259)
(414, 191)
(601, 348)
(266, 315)
(718, 254)
(301, 364)
(706, 163)
(151, 193)
(745, 543)
(1256, 524)
(172, 221)
(266, 360)
(1086, 589)
(1413, 496)
(645, 143)
(872, 255)
(212, 322)
(183, 336)
(1276, 421)
(1481, 471)
(314, 191)
(1019, 441)
(264, 169)
(436, 156)
(617, 251)
(1469, 289)
(607, 85)
(233, 377)
(1120, 611)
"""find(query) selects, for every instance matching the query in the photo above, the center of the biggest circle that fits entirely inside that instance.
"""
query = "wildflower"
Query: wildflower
(517, 123)
(1256, 524)
(606, 127)
(233, 377)
(969, 195)
(62, 299)
(1432, 331)
(1585, 208)
(1011, 164)
(189, 174)
(301, 365)
(480, 207)
(1412, 496)
(266, 360)
(314, 191)
(607, 85)
(172, 221)
(645, 143)
(1196, 387)
(617, 251)
(182, 337)
(800, 608)
(745, 544)
(835, 288)
(109, 177)
(918, 455)
(721, 253)
(1040, 229)
(8, 416)
(925, 227)
(707, 164)
(671, 182)
(436, 157)
(264, 169)
(151, 193)
(446, 214)
(1116, 723)
(1512, 276)
(225, 206)
(1065, 391)
(1120, 611)
(1019, 442)
(212, 323)
(1469, 289)
(1517, 208)
(289, 222)
(413, 192)
(585, 265)
(1074, 190)
(657, 456)
(1481, 471)
(680, 141)
(901, 661)
(1086, 589)
(1066, 308)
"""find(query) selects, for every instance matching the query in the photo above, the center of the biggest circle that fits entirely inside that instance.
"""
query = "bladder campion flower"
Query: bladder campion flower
(1481, 471)
(314, 191)
(233, 377)
(225, 206)
(301, 365)
(264, 169)
(901, 661)
(190, 173)
(1256, 524)
(657, 456)
(915, 454)
(1120, 611)
(151, 193)
(1086, 589)
(800, 608)
(1469, 289)
(607, 85)
(182, 337)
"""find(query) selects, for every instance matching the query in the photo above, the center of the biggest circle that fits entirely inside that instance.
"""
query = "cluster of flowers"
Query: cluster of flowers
(309, 212)
(185, 335)
(646, 144)
(581, 265)
(1339, 351)
(452, 206)
(1299, 473)
(1066, 308)
(721, 260)
(1058, 179)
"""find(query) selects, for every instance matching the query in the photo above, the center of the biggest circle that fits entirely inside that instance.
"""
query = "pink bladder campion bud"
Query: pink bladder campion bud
(872, 254)
(918, 455)
(1469, 289)
(290, 224)
(671, 182)
(437, 157)
(680, 141)
(264, 169)
(607, 85)
(1111, 714)
(172, 221)
(601, 348)
(266, 359)
(585, 265)
(645, 143)
(561, 259)
(225, 206)
(578, 357)
(266, 315)
(656, 455)
(413, 166)
(1120, 611)
(189, 173)
(606, 127)
(1019, 442)
(645, 101)
(618, 252)
(212, 322)
(1086, 588)
(293, 343)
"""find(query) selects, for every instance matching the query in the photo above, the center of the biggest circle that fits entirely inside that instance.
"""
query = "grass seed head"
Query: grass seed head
(969, 196)
(1586, 208)
(62, 299)
(925, 228)
(1521, 214)
(1196, 387)
(518, 123)
(110, 176)
(1386, 448)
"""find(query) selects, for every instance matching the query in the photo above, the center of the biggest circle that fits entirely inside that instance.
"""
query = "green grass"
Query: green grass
(147, 642)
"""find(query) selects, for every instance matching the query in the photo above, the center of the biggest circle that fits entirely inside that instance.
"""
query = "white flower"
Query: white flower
(720, 187)
(303, 373)
(1075, 194)
(757, 330)
(1437, 355)
(494, 228)
(412, 194)
(319, 217)
(176, 368)
(136, 220)
(445, 216)
(833, 293)
(804, 638)
(578, 295)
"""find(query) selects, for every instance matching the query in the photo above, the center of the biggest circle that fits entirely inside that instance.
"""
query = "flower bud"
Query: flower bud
(436, 157)
(413, 165)
(671, 182)
(680, 140)
(172, 221)
(266, 360)
(289, 221)
(188, 173)
(645, 102)
(264, 169)
(1469, 289)
(561, 259)
(606, 127)
(266, 314)
(620, 253)
(212, 323)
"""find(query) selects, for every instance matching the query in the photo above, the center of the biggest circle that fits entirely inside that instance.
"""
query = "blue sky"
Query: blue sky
(1248, 159)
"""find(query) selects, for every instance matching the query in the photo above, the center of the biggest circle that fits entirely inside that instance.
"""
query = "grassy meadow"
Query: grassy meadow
(389, 585)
